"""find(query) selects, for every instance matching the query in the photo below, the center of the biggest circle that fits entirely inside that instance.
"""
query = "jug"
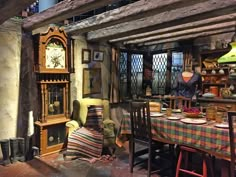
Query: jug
(211, 111)
(225, 92)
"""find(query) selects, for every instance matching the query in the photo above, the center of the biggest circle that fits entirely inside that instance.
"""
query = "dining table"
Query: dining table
(208, 136)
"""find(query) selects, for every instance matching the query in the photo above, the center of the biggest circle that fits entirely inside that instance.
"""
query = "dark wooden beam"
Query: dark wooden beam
(183, 32)
(195, 24)
(204, 10)
(190, 36)
(134, 11)
(62, 11)
(11, 8)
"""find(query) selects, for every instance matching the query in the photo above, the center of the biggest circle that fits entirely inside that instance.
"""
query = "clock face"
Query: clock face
(55, 57)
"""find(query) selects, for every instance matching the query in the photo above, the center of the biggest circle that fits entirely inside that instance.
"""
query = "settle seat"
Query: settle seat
(79, 116)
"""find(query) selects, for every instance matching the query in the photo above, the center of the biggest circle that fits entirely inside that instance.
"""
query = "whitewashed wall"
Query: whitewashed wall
(10, 57)
(77, 77)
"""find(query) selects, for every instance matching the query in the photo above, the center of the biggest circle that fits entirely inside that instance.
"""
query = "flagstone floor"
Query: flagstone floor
(56, 166)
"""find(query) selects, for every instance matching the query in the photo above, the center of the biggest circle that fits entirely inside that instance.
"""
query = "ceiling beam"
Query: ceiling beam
(204, 10)
(62, 11)
(195, 24)
(133, 11)
(10, 8)
(183, 32)
(190, 36)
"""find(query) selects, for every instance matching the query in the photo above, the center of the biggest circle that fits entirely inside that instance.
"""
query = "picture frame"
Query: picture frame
(98, 55)
(86, 56)
(92, 81)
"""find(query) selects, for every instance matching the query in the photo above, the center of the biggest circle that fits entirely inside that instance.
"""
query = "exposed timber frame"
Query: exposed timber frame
(190, 25)
(133, 11)
(183, 32)
(62, 11)
(190, 36)
(204, 10)
(10, 8)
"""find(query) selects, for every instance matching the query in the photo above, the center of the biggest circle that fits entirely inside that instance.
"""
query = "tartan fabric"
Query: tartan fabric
(94, 117)
(85, 143)
(205, 137)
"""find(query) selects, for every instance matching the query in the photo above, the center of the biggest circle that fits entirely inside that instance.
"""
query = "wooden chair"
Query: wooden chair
(184, 156)
(141, 133)
(178, 102)
(231, 118)
(185, 153)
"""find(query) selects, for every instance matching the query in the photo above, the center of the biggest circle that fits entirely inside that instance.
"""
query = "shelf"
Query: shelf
(209, 69)
(213, 75)
(214, 84)
(52, 122)
(209, 79)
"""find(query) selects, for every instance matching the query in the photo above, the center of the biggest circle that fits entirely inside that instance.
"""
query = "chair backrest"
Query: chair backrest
(231, 118)
(178, 102)
(140, 120)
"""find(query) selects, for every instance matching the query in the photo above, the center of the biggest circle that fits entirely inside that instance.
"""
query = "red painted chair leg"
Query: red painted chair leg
(178, 164)
(183, 158)
(204, 167)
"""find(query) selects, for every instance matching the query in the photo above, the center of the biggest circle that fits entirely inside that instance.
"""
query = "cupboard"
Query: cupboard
(214, 76)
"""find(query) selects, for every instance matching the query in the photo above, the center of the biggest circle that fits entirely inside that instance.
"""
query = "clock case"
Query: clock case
(53, 86)
(41, 41)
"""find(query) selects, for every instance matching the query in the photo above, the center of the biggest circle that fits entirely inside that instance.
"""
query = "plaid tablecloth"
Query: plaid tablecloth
(205, 136)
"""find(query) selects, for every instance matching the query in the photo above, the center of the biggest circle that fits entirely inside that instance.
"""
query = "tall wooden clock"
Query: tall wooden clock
(51, 67)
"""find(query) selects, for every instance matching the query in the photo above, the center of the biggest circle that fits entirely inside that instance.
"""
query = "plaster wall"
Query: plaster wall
(10, 54)
(77, 77)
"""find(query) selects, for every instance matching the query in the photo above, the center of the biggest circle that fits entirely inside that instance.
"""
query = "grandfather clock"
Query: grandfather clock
(51, 67)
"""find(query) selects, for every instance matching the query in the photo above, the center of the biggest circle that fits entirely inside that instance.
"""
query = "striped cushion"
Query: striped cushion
(94, 117)
(85, 143)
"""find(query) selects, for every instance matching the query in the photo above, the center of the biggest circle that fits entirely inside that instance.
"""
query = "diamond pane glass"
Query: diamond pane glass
(123, 74)
(136, 73)
(159, 66)
(177, 66)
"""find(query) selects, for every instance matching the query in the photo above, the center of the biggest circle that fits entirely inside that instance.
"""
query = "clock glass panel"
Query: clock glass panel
(55, 99)
(56, 134)
(55, 55)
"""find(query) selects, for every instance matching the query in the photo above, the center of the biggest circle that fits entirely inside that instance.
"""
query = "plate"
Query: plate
(163, 109)
(176, 110)
(173, 118)
(221, 125)
(193, 121)
(156, 114)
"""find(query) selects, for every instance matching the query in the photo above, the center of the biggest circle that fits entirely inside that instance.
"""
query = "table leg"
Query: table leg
(224, 168)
